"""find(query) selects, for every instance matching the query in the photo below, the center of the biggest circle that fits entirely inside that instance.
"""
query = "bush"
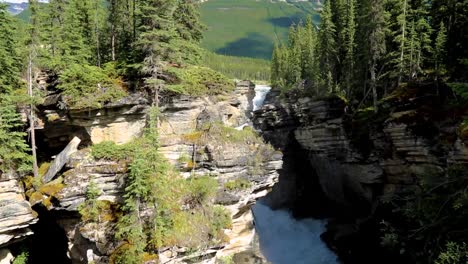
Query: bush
(454, 254)
(108, 150)
(86, 86)
(22, 258)
(201, 189)
(237, 184)
(198, 81)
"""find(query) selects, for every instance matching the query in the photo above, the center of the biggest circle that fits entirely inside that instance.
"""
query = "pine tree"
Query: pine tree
(375, 28)
(440, 49)
(350, 45)
(157, 40)
(310, 55)
(327, 44)
(9, 61)
(275, 66)
(294, 56)
(13, 149)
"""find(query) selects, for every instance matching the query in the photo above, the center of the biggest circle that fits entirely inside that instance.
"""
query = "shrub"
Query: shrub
(86, 86)
(201, 189)
(237, 184)
(108, 150)
(22, 257)
(198, 81)
(454, 254)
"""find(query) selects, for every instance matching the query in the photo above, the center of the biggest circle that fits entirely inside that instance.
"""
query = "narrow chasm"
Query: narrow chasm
(290, 220)
(49, 243)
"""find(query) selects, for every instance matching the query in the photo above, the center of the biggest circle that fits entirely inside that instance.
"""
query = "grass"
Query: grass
(242, 68)
(249, 28)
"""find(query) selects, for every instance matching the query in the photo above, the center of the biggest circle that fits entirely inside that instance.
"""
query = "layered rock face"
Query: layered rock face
(120, 122)
(357, 158)
(245, 169)
(16, 214)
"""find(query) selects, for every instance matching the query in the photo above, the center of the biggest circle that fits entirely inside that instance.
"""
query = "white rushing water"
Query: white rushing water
(285, 240)
(261, 92)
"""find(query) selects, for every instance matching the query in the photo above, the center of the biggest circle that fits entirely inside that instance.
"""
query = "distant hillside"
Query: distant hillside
(15, 8)
(244, 28)
(249, 28)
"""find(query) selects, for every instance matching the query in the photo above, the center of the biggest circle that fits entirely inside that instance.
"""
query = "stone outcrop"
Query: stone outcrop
(119, 122)
(16, 214)
(357, 159)
(357, 155)
(189, 144)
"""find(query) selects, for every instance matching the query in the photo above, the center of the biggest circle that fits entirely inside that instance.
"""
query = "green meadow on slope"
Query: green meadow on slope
(249, 28)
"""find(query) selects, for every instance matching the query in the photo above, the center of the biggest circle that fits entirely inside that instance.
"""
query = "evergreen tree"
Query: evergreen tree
(327, 46)
(350, 46)
(13, 148)
(9, 61)
(310, 54)
(294, 56)
(440, 49)
(376, 31)
(157, 40)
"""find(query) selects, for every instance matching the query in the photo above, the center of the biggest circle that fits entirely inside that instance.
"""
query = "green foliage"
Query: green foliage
(221, 134)
(201, 189)
(13, 148)
(237, 184)
(182, 213)
(90, 209)
(454, 254)
(22, 257)
(433, 215)
(242, 68)
(87, 86)
(197, 81)
(108, 150)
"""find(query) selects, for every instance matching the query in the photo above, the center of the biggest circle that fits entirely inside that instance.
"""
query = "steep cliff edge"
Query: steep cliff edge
(360, 160)
(200, 136)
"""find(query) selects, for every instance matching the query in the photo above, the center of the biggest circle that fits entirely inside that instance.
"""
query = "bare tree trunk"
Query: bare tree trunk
(31, 119)
(113, 11)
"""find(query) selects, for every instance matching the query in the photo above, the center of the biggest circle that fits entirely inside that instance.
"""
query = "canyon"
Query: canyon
(317, 159)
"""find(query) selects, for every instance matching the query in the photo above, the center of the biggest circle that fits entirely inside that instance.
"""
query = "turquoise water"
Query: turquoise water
(285, 240)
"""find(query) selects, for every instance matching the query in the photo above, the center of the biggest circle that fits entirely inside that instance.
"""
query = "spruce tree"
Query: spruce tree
(327, 46)
(440, 49)
(350, 46)
(310, 54)
(157, 41)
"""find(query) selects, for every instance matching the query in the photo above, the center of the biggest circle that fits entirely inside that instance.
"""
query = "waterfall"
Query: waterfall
(261, 92)
(285, 240)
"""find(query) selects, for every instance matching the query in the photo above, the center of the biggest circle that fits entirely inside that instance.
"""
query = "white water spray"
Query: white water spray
(261, 92)
(285, 240)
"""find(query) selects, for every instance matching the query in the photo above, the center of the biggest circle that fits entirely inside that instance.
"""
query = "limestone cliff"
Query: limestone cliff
(198, 135)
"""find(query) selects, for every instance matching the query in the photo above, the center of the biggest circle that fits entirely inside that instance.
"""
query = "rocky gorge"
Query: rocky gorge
(321, 159)
(352, 167)
(197, 136)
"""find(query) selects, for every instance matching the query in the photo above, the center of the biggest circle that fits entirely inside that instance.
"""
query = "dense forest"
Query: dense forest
(364, 49)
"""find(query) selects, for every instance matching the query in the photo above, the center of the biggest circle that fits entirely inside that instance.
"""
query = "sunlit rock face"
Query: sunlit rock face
(223, 157)
(16, 214)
